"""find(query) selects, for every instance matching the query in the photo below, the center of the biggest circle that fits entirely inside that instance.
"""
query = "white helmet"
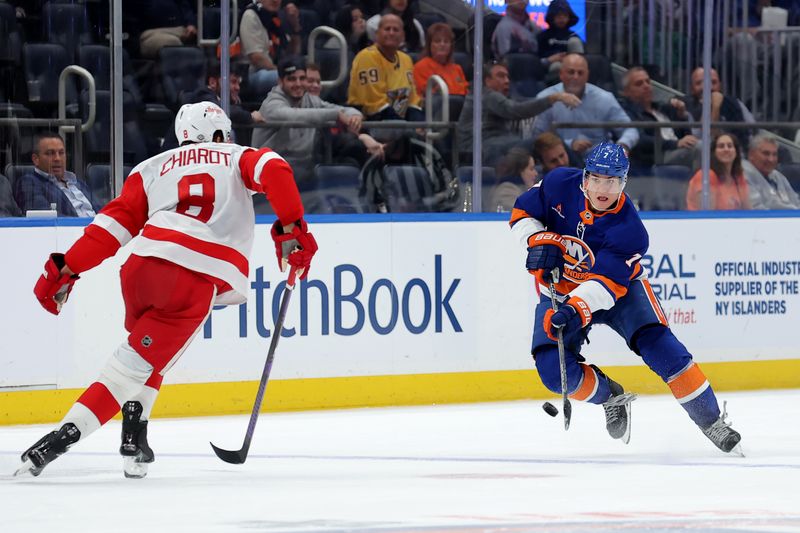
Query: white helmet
(199, 122)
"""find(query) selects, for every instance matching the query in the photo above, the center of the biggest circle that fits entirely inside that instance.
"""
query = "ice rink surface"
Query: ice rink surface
(455, 468)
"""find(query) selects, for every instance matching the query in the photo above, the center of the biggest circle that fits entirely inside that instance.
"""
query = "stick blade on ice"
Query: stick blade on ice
(233, 457)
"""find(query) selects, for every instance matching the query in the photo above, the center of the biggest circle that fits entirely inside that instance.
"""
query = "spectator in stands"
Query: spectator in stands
(515, 32)
(437, 58)
(596, 105)
(414, 34)
(166, 23)
(769, 188)
(50, 182)
(727, 185)
(724, 108)
(265, 40)
(381, 79)
(550, 152)
(516, 174)
(559, 38)
(499, 113)
(313, 79)
(350, 21)
(289, 101)
(212, 92)
(678, 146)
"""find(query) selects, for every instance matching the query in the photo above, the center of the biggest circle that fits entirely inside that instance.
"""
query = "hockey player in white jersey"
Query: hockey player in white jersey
(191, 208)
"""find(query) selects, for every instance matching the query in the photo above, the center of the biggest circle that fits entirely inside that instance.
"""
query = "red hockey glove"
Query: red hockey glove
(53, 288)
(295, 248)
(571, 316)
(545, 253)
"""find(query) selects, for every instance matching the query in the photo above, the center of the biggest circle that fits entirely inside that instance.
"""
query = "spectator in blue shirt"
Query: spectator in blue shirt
(50, 182)
(597, 105)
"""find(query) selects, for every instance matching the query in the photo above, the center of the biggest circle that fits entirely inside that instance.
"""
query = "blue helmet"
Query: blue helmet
(608, 159)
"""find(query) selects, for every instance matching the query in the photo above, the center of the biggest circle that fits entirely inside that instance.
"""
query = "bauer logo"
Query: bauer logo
(355, 302)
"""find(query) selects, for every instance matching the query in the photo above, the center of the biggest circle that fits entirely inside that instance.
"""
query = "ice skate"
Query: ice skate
(618, 412)
(723, 436)
(47, 449)
(135, 450)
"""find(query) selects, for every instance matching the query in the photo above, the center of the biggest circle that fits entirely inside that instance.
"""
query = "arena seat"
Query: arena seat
(66, 24)
(338, 189)
(183, 69)
(98, 178)
(406, 189)
(526, 73)
(43, 65)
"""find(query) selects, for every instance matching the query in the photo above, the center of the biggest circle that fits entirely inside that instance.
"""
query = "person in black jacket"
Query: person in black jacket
(212, 92)
(678, 146)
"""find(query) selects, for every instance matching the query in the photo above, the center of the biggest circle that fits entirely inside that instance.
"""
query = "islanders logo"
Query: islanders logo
(578, 259)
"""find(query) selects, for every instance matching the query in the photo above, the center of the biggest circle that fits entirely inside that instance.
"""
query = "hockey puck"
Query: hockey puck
(550, 409)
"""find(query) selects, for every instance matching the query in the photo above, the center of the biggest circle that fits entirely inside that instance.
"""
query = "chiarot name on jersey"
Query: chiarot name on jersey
(195, 156)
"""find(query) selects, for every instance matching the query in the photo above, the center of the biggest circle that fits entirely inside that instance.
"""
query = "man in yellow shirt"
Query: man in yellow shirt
(382, 77)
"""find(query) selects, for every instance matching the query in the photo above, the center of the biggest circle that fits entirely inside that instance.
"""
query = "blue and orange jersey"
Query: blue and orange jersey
(603, 250)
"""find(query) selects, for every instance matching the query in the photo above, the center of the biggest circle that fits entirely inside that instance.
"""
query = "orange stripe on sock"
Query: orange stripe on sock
(689, 383)
(654, 302)
(99, 400)
(588, 387)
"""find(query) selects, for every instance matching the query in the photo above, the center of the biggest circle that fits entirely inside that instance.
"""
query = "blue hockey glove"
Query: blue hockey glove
(571, 316)
(545, 252)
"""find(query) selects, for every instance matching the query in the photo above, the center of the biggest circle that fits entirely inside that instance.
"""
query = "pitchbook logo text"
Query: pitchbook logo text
(351, 305)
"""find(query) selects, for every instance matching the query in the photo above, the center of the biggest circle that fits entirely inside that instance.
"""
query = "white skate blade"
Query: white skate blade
(626, 438)
(133, 469)
(26, 467)
(737, 451)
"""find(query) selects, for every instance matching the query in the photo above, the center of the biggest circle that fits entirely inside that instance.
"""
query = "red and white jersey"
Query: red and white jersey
(193, 208)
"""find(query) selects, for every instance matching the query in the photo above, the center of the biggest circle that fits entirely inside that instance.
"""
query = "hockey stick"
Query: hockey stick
(562, 360)
(238, 457)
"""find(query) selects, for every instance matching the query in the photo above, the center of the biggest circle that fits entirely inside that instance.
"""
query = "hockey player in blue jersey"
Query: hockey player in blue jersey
(581, 223)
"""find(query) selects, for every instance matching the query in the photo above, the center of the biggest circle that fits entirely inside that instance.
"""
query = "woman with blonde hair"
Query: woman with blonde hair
(437, 58)
(727, 184)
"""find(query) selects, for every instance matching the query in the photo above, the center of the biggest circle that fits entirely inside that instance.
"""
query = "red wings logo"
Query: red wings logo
(578, 259)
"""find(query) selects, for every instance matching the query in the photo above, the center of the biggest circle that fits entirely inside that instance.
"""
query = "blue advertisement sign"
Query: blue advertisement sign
(537, 10)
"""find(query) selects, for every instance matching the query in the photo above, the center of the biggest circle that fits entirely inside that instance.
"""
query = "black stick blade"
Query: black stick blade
(233, 457)
(567, 414)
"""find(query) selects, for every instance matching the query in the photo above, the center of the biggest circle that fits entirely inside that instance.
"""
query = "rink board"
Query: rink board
(406, 310)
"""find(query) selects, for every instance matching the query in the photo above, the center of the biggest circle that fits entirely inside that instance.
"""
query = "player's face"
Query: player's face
(51, 157)
(725, 150)
(603, 191)
(313, 82)
(764, 157)
(294, 84)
